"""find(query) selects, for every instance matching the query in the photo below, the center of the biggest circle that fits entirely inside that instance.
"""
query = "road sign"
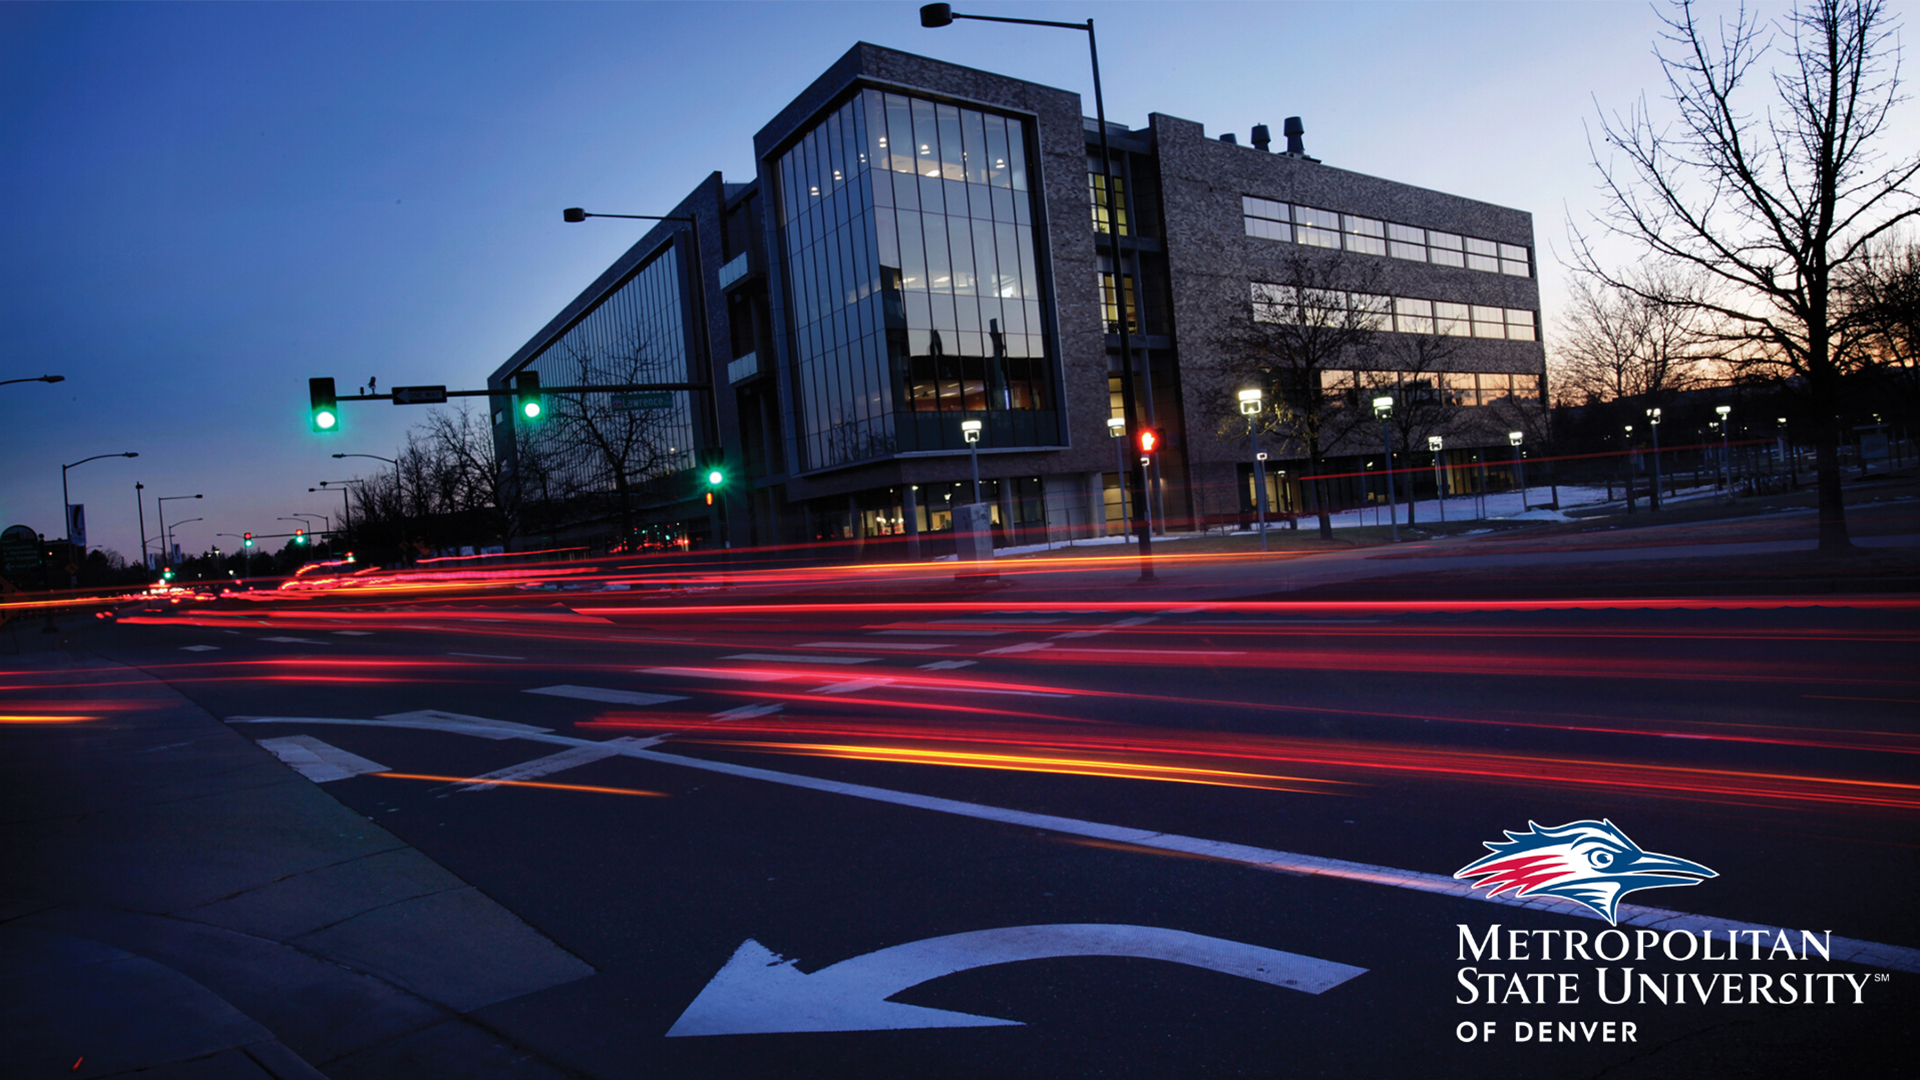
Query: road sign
(651, 399)
(21, 557)
(419, 395)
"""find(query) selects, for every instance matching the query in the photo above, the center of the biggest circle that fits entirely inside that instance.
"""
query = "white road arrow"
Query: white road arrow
(758, 991)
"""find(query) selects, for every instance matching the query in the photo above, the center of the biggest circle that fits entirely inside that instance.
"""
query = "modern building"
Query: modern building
(925, 244)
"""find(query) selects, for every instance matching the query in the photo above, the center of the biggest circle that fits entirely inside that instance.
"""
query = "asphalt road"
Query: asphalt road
(1229, 831)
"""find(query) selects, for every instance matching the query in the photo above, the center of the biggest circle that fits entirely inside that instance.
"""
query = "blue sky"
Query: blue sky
(210, 203)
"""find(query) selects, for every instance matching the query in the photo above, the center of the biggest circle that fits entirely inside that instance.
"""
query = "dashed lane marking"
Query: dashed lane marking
(947, 665)
(1025, 646)
(352, 633)
(747, 712)
(297, 640)
(852, 685)
(601, 693)
(486, 656)
(728, 674)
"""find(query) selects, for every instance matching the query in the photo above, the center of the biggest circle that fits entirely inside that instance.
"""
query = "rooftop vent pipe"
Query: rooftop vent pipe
(1262, 138)
(1294, 129)
(1230, 139)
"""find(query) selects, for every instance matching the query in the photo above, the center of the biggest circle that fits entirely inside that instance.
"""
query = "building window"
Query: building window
(1513, 260)
(1109, 309)
(1365, 235)
(1520, 325)
(1270, 220)
(1109, 202)
(1316, 228)
(1412, 316)
(1398, 314)
(1407, 242)
(907, 234)
(1267, 219)
(1446, 249)
(1451, 319)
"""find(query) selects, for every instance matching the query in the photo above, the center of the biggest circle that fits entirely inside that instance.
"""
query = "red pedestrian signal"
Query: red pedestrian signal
(1149, 441)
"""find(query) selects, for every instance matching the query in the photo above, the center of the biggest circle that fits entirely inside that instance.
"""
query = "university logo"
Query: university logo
(1591, 863)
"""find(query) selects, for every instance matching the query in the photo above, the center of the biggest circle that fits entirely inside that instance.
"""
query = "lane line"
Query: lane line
(720, 673)
(351, 633)
(746, 712)
(1025, 646)
(852, 685)
(947, 665)
(199, 648)
(601, 693)
(552, 763)
(318, 761)
(297, 640)
(939, 633)
(486, 656)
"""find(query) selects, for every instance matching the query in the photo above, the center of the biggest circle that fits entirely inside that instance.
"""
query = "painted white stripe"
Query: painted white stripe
(318, 761)
(353, 633)
(884, 646)
(947, 665)
(199, 648)
(440, 720)
(1138, 620)
(553, 763)
(297, 640)
(1173, 653)
(1025, 646)
(720, 673)
(800, 658)
(486, 656)
(747, 712)
(601, 693)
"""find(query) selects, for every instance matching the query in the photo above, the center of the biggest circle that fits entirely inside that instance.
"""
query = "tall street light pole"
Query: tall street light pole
(166, 549)
(140, 505)
(1383, 408)
(1250, 407)
(346, 504)
(938, 15)
(1653, 497)
(970, 431)
(1520, 468)
(1434, 443)
(66, 514)
(1117, 430)
(1726, 453)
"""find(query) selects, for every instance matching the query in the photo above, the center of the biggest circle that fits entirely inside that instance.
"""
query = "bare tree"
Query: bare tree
(1416, 380)
(1297, 337)
(460, 451)
(599, 445)
(1770, 185)
(1624, 343)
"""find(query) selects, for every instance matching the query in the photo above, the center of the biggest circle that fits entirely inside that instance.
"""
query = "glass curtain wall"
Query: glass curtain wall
(908, 231)
(636, 334)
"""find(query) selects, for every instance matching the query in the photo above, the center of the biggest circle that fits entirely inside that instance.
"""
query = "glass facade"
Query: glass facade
(636, 334)
(907, 228)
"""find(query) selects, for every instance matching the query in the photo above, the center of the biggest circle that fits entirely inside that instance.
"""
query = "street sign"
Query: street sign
(21, 557)
(419, 395)
(651, 399)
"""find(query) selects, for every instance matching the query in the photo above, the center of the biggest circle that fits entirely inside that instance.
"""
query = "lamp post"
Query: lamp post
(1727, 454)
(1439, 493)
(1250, 407)
(970, 431)
(166, 548)
(1653, 497)
(397, 490)
(1519, 467)
(938, 15)
(697, 285)
(167, 534)
(140, 506)
(346, 504)
(66, 507)
(1117, 430)
(307, 520)
(1383, 408)
(1627, 440)
(36, 378)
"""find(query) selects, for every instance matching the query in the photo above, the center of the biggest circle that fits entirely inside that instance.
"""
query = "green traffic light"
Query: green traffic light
(325, 420)
(530, 409)
(716, 478)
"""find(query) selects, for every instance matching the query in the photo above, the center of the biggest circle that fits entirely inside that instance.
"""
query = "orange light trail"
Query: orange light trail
(44, 718)
(589, 788)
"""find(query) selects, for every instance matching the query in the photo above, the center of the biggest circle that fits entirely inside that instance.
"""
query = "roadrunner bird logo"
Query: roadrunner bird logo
(1591, 863)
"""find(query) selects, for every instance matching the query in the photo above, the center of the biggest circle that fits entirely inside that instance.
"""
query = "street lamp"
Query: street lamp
(166, 536)
(345, 503)
(938, 15)
(1383, 408)
(970, 431)
(166, 547)
(1727, 454)
(66, 516)
(396, 488)
(1440, 495)
(1653, 422)
(1117, 430)
(1519, 467)
(36, 378)
(1251, 406)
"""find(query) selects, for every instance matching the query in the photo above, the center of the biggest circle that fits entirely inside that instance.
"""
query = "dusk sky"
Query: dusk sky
(207, 204)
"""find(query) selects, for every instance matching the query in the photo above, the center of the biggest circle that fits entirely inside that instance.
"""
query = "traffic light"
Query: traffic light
(299, 536)
(1149, 441)
(246, 539)
(325, 413)
(713, 470)
(526, 387)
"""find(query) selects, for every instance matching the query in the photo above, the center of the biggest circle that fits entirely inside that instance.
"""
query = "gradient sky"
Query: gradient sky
(207, 204)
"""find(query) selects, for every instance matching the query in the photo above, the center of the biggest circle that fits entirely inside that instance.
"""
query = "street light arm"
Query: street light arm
(97, 457)
(934, 16)
(574, 213)
(36, 378)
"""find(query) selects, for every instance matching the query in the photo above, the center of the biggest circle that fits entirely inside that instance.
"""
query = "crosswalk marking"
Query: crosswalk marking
(319, 761)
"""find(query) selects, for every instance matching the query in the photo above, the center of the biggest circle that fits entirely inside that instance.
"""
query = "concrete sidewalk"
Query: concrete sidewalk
(175, 902)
